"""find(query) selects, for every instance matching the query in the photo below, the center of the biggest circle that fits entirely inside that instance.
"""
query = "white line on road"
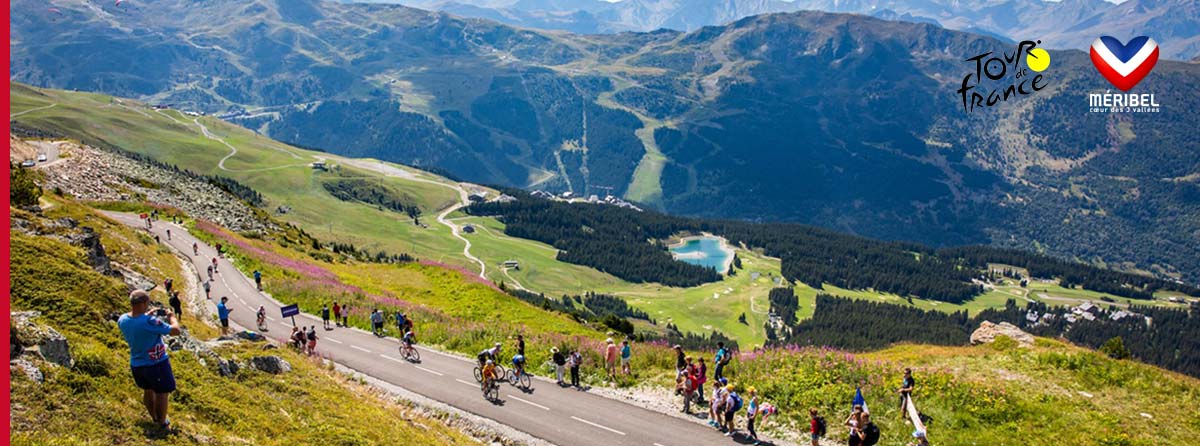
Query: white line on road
(269, 318)
(581, 420)
(435, 372)
(359, 348)
(244, 302)
(335, 341)
(390, 358)
(531, 403)
(658, 444)
(467, 383)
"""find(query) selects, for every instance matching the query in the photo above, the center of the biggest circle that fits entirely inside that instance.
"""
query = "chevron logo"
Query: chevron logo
(1124, 65)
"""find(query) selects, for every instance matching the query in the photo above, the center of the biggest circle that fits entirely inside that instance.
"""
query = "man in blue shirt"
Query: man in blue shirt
(721, 359)
(223, 315)
(147, 355)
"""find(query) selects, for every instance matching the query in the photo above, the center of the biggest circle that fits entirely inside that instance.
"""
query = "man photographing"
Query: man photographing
(148, 355)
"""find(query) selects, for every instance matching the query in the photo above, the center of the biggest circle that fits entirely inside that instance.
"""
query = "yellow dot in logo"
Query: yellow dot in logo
(1037, 59)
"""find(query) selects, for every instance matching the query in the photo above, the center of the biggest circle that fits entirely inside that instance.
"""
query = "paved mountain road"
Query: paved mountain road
(562, 416)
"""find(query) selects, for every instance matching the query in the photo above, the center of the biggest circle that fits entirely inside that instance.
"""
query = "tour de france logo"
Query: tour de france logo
(1124, 65)
(1005, 73)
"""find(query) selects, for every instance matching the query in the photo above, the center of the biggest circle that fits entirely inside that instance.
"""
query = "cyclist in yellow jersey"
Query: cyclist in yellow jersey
(489, 373)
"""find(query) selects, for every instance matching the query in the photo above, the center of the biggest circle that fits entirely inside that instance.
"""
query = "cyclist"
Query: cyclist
(518, 362)
(262, 318)
(489, 355)
(195, 249)
(409, 339)
(488, 374)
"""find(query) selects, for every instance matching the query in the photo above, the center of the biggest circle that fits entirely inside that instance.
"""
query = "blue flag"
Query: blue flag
(859, 400)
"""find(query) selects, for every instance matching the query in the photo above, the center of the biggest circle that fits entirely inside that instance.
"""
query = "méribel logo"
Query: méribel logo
(1124, 65)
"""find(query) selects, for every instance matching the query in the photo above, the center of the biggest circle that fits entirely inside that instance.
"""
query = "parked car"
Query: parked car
(41, 157)
(28, 163)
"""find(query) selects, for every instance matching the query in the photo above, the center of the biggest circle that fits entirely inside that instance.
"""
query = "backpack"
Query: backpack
(821, 426)
(872, 435)
(737, 402)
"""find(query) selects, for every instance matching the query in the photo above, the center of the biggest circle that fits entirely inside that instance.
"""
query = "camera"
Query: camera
(161, 312)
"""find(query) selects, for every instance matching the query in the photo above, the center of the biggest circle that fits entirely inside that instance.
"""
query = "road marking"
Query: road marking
(581, 420)
(476, 385)
(269, 318)
(244, 302)
(335, 341)
(359, 348)
(658, 444)
(390, 358)
(531, 403)
(435, 372)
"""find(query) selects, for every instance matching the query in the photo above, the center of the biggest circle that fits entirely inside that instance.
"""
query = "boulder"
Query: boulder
(227, 367)
(40, 340)
(27, 368)
(987, 333)
(270, 364)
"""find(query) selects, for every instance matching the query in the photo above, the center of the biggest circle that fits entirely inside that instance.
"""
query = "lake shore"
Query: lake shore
(723, 244)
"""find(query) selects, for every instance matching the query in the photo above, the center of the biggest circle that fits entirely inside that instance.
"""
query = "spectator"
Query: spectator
(610, 359)
(733, 403)
(716, 405)
(574, 362)
(168, 234)
(258, 279)
(560, 361)
(701, 378)
(337, 315)
(752, 413)
(210, 272)
(626, 357)
(325, 316)
(377, 322)
(312, 339)
(521, 345)
(223, 314)
(868, 434)
(680, 360)
(345, 315)
(853, 422)
(148, 361)
(906, 389)
(919, 438)
(687, 385)
(168, 283)
(176, 304)
(816, 426)
(215, 266)
(720, 360)
(208, 288)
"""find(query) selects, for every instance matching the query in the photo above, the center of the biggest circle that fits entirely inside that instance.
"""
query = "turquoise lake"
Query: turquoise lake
(704, 251)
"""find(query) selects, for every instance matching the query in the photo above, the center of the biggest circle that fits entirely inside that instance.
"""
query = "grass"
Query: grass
(278, 171)
(96, 402)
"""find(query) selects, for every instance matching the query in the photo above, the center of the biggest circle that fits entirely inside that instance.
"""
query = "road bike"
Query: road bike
(500, 372)
(409, 353)
(519, 378)
(492, 391)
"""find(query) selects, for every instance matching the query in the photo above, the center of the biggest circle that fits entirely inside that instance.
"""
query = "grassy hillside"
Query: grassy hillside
(278, 171)
(96, 402)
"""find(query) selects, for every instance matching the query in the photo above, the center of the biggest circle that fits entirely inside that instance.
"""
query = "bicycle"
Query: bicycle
(410, 353)
(518, 378)
(492, 391)
(500, 372)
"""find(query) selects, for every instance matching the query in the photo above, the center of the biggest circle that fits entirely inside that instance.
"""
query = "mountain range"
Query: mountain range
(1060, 24)
(840, 120)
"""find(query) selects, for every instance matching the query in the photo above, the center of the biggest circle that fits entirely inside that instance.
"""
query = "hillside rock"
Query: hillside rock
(270, 364)
(27, 368)
(987, 333)
(40, 340)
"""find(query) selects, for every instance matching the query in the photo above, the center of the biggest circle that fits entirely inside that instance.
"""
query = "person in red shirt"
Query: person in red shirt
(701, 378)
(816, 426)
(337, 315)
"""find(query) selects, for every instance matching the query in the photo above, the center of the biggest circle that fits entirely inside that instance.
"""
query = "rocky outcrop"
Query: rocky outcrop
(270, 364)
(987, 333)
(92, 174)
(26, 368)
(40, 341)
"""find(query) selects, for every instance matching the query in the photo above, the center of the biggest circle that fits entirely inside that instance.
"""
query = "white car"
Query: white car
(41, 157)
(28, 163)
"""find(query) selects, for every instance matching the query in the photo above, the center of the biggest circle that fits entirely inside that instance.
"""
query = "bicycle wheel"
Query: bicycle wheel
(478, 375)
(501, 371)
(414, 355)
(525, 381)
(492, 393)
(511, 377)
